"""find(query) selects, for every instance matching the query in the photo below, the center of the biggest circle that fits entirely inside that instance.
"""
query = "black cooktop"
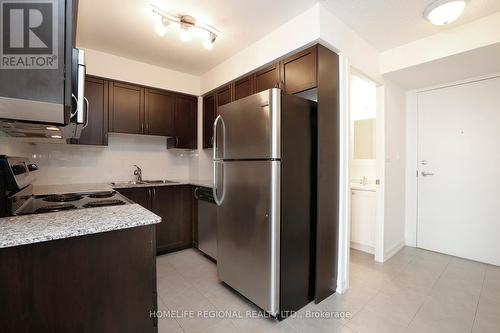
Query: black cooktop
(67, 201)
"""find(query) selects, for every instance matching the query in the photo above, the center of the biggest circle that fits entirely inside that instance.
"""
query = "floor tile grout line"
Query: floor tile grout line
(427, 295)
(197, 289)
(193, 286)
(479, 298)
(182, 328)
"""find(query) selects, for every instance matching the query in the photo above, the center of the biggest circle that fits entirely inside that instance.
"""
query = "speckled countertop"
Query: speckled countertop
(95, 187)
(174, 182)
(28, 229)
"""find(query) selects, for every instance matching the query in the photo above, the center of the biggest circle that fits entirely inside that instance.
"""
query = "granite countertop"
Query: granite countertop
(96, 187)
(28, 229)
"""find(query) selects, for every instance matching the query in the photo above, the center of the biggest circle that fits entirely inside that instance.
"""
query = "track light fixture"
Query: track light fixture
(187, 27)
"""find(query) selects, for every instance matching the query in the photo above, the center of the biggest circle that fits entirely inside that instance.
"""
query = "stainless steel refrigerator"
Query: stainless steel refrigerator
(264, 186)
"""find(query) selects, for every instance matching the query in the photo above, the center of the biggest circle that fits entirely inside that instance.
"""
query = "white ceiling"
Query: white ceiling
(126, 28)
(389, 23)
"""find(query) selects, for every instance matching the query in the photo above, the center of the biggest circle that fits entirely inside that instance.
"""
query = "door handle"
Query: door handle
(216, 181)
(425, 174)
(87, 110)
(215, 147)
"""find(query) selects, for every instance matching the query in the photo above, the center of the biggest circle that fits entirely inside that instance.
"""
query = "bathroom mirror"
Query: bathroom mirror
(364, 139)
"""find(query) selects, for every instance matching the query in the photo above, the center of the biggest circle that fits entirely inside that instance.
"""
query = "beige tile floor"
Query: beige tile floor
(415, 291)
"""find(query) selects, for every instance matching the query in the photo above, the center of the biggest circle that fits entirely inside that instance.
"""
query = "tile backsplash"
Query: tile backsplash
(72, 164)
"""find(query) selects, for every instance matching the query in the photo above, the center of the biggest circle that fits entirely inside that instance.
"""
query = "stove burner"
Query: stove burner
(107, 194)
(103, 203)
(55, 208)
(63, 197)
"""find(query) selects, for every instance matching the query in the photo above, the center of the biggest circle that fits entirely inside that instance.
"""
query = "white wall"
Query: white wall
(123, 69)
(395, 164)
(71, 164)
(201, 163)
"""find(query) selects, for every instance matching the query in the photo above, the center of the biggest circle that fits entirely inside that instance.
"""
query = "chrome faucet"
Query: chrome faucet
(138, 173)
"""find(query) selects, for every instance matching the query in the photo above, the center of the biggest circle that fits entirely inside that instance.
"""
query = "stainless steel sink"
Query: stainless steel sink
(143, 182)
(163, 181)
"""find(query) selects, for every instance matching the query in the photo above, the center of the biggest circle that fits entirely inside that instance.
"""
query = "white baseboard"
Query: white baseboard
(362, 247)
(394, 249)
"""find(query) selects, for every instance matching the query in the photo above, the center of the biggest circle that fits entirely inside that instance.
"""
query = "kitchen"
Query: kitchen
(191, 174)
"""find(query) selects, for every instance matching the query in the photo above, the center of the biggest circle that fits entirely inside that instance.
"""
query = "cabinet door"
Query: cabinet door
(185, 121)
(96, 132)
(126, 108)
(299, 72)
(224, 95)
(174, 205)
(363, 213)
(243, 87)
(140, 195)
(159, 107)
(208, 120)
(267, 78)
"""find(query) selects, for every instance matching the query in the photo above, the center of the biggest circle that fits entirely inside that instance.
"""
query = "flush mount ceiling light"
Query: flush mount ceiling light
(443, 12)
(188, 27)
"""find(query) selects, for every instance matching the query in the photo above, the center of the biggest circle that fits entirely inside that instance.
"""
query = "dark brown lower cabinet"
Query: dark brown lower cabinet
(174, 204)
(97, 283)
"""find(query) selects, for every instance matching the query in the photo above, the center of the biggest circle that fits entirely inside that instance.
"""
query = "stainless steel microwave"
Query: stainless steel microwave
(42, 74)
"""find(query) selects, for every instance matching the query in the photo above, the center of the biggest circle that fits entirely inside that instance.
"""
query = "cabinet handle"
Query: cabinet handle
(196, 193)
(176, 141)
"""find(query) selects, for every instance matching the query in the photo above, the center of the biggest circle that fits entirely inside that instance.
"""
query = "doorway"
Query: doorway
(363, 163)
(458, 161)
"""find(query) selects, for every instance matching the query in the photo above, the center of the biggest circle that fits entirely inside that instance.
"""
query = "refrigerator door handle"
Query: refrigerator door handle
(215, 147)
(216, 181)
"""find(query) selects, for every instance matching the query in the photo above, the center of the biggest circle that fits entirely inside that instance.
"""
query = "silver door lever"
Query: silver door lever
(425, 174)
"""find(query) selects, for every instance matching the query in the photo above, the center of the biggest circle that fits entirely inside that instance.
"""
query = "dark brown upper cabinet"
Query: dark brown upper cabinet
(267, 78)
(185, 121)
(126, 108)
(224, 95)
(96, 132)
(159, 107)
(243, 87)
(208, 120)
(136, 109)
(299, 72)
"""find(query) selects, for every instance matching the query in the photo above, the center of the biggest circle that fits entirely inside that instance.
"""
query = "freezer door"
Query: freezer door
(249, 128)
(248, 224)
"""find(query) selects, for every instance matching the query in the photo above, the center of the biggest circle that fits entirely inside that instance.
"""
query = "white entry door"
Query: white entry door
(459, 170)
